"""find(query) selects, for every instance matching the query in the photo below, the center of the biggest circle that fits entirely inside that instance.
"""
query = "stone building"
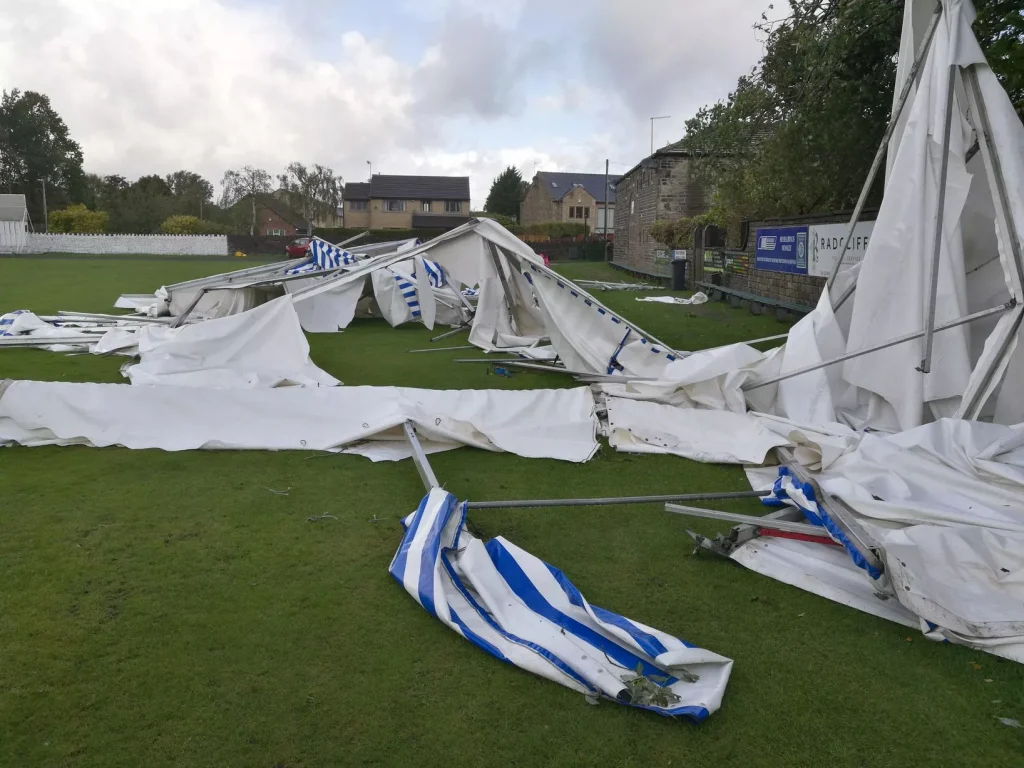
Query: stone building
(661, 187)
(571, 198)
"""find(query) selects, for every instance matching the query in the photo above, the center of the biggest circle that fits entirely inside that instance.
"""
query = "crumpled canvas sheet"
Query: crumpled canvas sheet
(555, 424)
(710, 436)
(945, 502)
(523, 611)
(262, 347)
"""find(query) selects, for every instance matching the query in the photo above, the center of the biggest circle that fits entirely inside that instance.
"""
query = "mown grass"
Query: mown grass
(167, 609)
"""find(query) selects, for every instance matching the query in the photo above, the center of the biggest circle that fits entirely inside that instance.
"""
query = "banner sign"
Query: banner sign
(827, 243)
(782, 249)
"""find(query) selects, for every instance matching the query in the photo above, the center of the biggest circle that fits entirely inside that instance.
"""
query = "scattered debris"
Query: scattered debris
(318, 518)
(1009, 721)
(697, 298)
(279, 493)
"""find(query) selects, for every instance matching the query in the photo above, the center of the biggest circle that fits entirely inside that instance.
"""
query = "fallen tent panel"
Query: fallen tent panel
(702, 435)
(263, 347)
(555, 424)
(525, 612)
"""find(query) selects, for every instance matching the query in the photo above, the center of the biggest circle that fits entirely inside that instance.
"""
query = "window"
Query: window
(275, 232)
(394, 206)
(572, 211)
(453, 206)
(632, 206)
(425, 206)
(579, 212)
(586, 212)
(359, 205)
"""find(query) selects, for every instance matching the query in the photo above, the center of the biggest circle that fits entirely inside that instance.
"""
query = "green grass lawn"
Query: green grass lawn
(167, 609)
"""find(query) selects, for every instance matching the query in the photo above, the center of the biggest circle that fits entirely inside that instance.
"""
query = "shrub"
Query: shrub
(190, 225)
(79, 219)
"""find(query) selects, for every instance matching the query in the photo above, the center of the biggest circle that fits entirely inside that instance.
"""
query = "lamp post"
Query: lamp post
(371, 169)
(662, 117)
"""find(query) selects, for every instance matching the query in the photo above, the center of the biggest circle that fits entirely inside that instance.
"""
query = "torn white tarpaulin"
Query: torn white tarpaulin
(521, 610)
(712, 436)
(263, 347)
(945, 505)
(698, 298)
(556, 424)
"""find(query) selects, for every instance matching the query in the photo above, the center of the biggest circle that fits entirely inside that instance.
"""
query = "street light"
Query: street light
(663, 117)
(371, 169)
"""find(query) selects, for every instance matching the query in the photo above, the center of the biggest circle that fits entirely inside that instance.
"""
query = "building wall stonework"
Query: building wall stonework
(783, 286)
(665, 190)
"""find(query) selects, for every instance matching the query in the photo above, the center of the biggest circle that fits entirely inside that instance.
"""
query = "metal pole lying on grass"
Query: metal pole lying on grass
(604, 502)
(732, 517)
(885, 345)
(441, 349)
(422, 465)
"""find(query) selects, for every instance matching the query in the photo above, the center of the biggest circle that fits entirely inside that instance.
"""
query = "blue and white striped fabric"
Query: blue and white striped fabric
(788, 490)
(307, 266)
(329, 256)
(434, 273)
(6, 321)
(408, 290)
(525, 612)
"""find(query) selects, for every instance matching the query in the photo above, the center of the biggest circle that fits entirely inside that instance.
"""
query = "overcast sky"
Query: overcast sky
(459, 87)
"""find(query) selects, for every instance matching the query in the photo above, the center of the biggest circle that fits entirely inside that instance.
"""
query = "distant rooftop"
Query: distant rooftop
(419, 187)
(561, 184)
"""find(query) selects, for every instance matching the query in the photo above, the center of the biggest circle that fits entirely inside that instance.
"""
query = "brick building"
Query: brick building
(661, 187)
(273, 217)
(407, 202)
(570, 197)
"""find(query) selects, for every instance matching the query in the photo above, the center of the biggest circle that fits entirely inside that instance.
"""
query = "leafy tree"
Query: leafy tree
(798, 134)
(78, 218)
(1000, 30)
(36, 147)
(187, 185)
(505, 221)
(247, 183)
(506, 193)
(315, 191)
(190, 225)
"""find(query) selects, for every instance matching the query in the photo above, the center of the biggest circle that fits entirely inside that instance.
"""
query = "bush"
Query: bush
(507, 222)
(549, 229)
(190, 225)
(79, 219)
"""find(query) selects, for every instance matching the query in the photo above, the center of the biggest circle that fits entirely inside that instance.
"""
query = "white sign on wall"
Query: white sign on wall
(827, 244)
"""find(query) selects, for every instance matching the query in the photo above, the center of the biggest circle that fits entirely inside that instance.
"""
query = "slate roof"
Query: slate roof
(357, 191)
(561, 184)
(418, 187)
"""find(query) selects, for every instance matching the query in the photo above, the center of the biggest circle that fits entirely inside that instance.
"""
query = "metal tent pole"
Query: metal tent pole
(885, 345)
(908, 86)
(604, 502)
(933, 287)
(420, 458)
(732, 517)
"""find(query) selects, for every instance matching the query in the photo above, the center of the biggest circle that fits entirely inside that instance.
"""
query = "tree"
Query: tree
(506, 193)
(78, 218)
(190, 225)
(190, 190)
(248, 183)
(799, 133)
(1000, 30)
(36, 148)
(316, 191)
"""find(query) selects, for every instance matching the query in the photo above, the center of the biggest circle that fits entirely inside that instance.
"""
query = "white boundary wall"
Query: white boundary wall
(176, 245)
